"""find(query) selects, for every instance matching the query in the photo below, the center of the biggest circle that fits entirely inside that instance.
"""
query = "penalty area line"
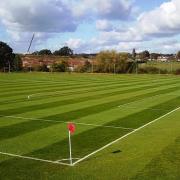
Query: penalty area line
(35, 159)
(77, 123)
(113, 142)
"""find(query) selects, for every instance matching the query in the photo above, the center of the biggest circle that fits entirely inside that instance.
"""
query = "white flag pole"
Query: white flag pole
(70, 152)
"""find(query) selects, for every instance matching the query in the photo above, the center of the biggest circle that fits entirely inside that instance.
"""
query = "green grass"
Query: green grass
(37, 127)
(169, 66)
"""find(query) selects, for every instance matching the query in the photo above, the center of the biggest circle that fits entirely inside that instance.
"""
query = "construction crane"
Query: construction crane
(28, 51)
(30, 44)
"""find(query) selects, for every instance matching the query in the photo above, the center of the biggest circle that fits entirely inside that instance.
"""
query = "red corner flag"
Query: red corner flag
(71, 128)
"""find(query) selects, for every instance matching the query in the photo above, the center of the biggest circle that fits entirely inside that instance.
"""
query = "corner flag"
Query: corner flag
(71, 127)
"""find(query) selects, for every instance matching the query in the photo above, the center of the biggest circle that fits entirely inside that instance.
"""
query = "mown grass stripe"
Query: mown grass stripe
(93, 143)
(56, 88)
(22, 128)
(71, 101)
(82, 112)
(65, 84)
(77, 91)
(29, 126)
(145, 116)
(34, 88)
(85, 140)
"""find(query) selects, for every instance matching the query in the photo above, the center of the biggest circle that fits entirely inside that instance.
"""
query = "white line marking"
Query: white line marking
(78, 123)
(67, 159)
(35, 159)
(87, 156)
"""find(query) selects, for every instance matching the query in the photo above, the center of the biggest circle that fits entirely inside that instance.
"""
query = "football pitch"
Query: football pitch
(124, 126)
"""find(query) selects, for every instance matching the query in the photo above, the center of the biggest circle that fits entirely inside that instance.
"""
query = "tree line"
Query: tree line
(103, 62)
(64, 51)
(8, 60)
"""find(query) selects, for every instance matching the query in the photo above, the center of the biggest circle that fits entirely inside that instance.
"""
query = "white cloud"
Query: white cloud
(75, 43)
(37, 16)
(114, 9)
(162, 21)
(104, 25)
(104, 9)
(48, 17)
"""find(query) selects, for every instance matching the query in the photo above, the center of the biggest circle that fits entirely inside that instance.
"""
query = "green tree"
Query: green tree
(18, 65)
(145, 55)
(6, 56)
(178, 55)
(45, 52)
(154, 56)
(60, 67)
(112, 62)
(122, 63)
(64, 51)
(84, 68)
(106, 61)
(42, 68)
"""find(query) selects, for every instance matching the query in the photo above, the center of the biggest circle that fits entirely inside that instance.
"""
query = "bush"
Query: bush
(61, 67)
(28, 69)
(163, 71)
(152, 70)
(149, 70)
(177, 72)
(42, 68)
(87, 67)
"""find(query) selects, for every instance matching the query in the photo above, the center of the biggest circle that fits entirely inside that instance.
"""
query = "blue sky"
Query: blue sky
(91, 25)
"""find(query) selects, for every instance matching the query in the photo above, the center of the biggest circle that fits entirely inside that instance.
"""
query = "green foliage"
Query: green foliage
(45, 52)
(178, 55)
(18, 63)
(6, 56)
(149, 70)
(152, 70)
(112, 62)
(60, 67)
(154, 56)
(64, 51)
(177, 72)
(168, 67)
(145, 55)
(87, 67)
(42, 68)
